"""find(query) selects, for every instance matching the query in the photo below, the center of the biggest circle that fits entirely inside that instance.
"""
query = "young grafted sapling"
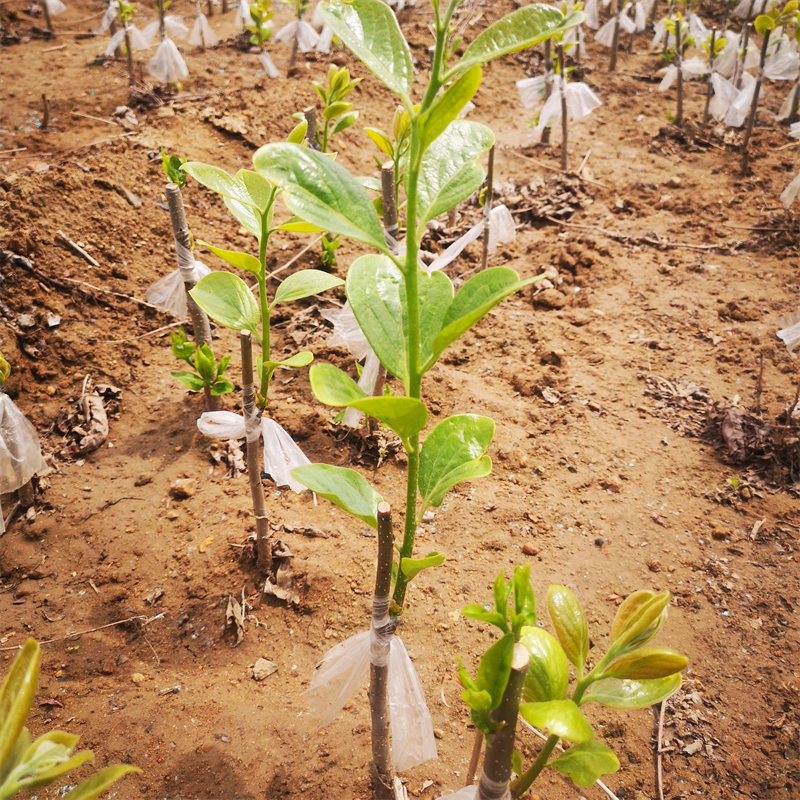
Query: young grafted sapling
(409, 316)
(535, 684)
(208, 376)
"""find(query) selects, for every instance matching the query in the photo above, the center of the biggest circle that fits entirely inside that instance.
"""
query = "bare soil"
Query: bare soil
(609, 471)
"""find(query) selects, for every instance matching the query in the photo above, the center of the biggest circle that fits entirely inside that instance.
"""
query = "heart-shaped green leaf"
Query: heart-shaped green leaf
(522, 28)
(240, 260)
(227, 299)
(219, 181)
(305, 283)
(411, 567)
(344, 487)
(369, 28)
(570, 623)
(622, 693)
(449, 173)
(93, 787)
(585, 763)
(548, 673)
(479, 295)
(453, 452)
(647, 663)
(446, 107)
(375, 288)
(560, 717)
(321, 191)
(16, 695)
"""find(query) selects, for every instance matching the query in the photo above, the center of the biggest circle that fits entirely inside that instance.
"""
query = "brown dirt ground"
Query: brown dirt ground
(594, 440)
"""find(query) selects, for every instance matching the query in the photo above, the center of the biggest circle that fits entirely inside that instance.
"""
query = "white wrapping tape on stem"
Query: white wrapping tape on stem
(252, 418)
(186, 263)
(493, 790)
(381, 631)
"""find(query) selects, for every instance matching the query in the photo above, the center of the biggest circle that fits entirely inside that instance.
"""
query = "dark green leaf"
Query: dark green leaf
(189, 380)
(305, 283)
(481, 614)
(447, 107)
(495, 667)
(227, 299)
(221, 386)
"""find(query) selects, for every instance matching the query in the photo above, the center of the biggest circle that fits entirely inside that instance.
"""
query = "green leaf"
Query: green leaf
(297, 225)
(481, 614)
(344, 487)
(191, 381)
(247, 216)
(302, 359)
(406, 416)
(585, 763)
(334, 110)
(321, 191)
(639, 619)
(344, 122)
(258, 188)
(448, 173)
(298, 133)
(93, 787)
(522, 28)
(548, 673)
(219, 181)
(623, 693)
(204, 363)
(524, 598)
(494, 669)
(447, 107)
(570, 623)
(305, 283)
(227, 299)
(221, 386)
(453, 452)
(371, 183)
(376, 291)
(560, 717)
(41, 774)
(435, 291)
(382, 140)
(502, 590)
(369, 28)
(411, 567)
(16, 695)
(240, 260)
(763, 23)
(647, 663)
(479, 295)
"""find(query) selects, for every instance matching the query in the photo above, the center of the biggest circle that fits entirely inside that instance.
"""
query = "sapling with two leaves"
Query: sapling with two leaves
(259, 24)
(408, 315)
(526, 672)
(301, 34)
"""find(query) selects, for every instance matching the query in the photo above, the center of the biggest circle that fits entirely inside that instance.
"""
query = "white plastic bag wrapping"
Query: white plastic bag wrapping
(605, 36)
(325, 39)
(740, 105)
(640, 17)
(794, 130)
(20, 453)
(660, 33)
(110, 15)
(691, 68)
(790, 334)
(626, 24)
(581, 101)
(531, 90)
(242, 17)
(281, 453)
(169, 295)
(55, 7)
(343, 669)
(575, 35)
(786, 105)
(316, 18)
(138, 40)
(592, 16)
(347, 333)
(759, 7)
(724, 92)
(167, 65)
(307, 37)
(269, 67)
(790, 192)
(696, 27)
(725, 62)
(173, 25)
(783, 66)
(202, 35)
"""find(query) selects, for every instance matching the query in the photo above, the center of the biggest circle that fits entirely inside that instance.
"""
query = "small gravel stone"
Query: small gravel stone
(599, 541)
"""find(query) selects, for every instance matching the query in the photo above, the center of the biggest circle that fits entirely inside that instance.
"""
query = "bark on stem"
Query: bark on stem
(383, 768)
(500, 747)
(548, 84)
(293, 55)
(563, 106)
(225, 7)
(615, 42)
(249, 411)
(679, 113)
(795, 103)
(754, 105)
(47, 19)
(487, 210)
(737, 81)
(310, 115)
(129, 51)
(710, 86)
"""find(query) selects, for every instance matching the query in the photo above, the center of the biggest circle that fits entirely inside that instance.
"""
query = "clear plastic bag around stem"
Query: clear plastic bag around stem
(269, 68)
(169, 294)
(790, 333)
(281, 455)
(202, 34)
(167, 65)
(20, 452)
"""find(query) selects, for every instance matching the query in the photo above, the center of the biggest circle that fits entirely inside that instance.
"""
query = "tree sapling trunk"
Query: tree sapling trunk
(225, 6)
(563, 106)
(548, 84)
(710, 86)
(210, 9)
(48, 22)
(383, 769)
(679, 112)
(487, 210)
(615, 42)
(293, 55)
(754, 105)
(795, 103)
(129, 52)
(252, 426)
(113, 28)
(310, 115)
(737, 81)
(496, 772)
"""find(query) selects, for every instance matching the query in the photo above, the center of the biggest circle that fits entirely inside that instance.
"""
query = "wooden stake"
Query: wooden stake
(754, 104)
(389, 201)
(487, 210)
(45, 112)
(210, 9)
(225, 7)
(477, 746)
(737, 78)
(679, 113)
(383, 768)
(563, 83)
(710, 87)
(129, 51)
(310, 114)
(548, 84)
(500, 747)
(293, 55)
(615, 42)
(48, 21)
(250, 412)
